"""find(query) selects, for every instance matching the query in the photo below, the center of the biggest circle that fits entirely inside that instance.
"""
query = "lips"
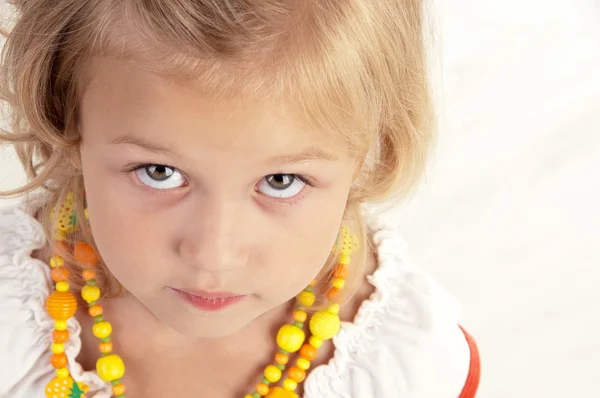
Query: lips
(209, 301)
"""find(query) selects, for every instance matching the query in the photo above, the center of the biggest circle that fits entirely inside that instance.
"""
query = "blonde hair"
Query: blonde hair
(354, 68)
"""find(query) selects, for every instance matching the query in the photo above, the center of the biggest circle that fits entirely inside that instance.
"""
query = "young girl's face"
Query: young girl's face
(190, 199)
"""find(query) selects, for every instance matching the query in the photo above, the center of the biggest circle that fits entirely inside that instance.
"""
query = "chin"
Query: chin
(210, 326)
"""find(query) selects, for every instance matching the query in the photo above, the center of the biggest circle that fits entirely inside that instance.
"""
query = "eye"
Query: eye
(281, 185)
(159, 176)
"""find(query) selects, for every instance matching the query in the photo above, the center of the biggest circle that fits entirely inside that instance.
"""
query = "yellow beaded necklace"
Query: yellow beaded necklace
(62, 305)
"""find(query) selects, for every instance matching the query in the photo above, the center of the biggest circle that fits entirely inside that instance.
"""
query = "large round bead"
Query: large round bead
(278, 392)
(324, 325)
(110, 367)
(61, 305)
(290, 338)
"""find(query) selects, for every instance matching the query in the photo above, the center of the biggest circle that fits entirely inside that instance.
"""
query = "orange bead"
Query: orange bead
(313, 282)
(308, 352)
(105, 347)
(281, 359)
(60, 336)
(299, 316)
(89, 274)
(58, 361)
(61, 305)
(60, 274)
(119, 389)
(262, 389)
(332, 292)
(95, 310)
(85, 254)
(340, 271)
(296, 374)
(61, 248)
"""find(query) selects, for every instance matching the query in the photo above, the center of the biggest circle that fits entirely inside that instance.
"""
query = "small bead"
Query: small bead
(119, 389)
(290, 384)
(313, 282)
(300, 316)
(265, 381)
(299, 324)
(58, 348)
(255, 395)
(281, 359)
(60, 274)
(262, 389)
(85, 254)
(90, 293)
(338, 283)
(115, 382)
(284, 352)
(57, 261)
(248, 396)
(340, 271)
(308, 289)
(296, 374)
(105, 339)
(308, 351)
(315, 341)
(62, 286)
(60, 336)
(334, 309)
(91, 282)
(306, 298)
(60, 324)
(88, 274)
(344, 259)
(95, 310)
(110, 367)
(86, 214)
(105, 348)
(58, 361)
(332, 292)
(272, 374)
(303, 363)
(62, 373)
(102, 329)
(280, 366)
(98, 319)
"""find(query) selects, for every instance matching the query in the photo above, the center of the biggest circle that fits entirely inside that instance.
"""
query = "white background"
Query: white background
(508, 218)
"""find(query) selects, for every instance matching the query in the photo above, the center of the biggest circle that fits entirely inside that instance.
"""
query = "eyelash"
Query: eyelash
(290, 201)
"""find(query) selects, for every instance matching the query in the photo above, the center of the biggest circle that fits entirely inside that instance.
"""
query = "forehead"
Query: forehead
(123, 99)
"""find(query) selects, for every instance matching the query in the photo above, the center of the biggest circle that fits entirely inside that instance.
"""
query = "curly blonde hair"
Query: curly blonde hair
(354, 68)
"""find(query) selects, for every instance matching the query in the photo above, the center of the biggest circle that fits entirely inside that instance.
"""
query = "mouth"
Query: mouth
(209, 301)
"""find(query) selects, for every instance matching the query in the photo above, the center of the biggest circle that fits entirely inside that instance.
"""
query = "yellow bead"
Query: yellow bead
(344, 259)
(90, 293)
(62, 286)
(60, 325)
(102, 329)
(290, 384)
(303, 363)
(110, 367)
(57, 261)
(324, 325)
(339, 283)
(248, 396)
(334, 309)
(290, 338)
(272, 374)
(315, 342)
(85, 213)
(306, 298)
(62, 373)
(58, 348)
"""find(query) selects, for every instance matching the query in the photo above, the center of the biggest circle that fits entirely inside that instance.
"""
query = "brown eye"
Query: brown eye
(281, 185)
(160, 176)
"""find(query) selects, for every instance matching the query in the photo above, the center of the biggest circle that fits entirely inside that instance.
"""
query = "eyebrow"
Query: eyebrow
(311, 153)
(142, 143)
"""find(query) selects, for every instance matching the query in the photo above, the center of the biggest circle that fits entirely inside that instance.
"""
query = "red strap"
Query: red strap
(474, 374)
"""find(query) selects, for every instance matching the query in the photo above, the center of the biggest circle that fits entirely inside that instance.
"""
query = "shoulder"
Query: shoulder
(24, 286)
(405, 339)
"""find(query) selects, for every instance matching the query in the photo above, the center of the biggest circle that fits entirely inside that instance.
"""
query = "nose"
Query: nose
(213, 241)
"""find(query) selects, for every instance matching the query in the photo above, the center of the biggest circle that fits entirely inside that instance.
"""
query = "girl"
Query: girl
(199, 169)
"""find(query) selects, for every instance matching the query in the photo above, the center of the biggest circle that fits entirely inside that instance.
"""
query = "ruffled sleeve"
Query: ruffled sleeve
(25, 326)
(405, 340)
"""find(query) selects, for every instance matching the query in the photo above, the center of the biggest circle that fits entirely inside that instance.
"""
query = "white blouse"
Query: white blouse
(404, 342)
